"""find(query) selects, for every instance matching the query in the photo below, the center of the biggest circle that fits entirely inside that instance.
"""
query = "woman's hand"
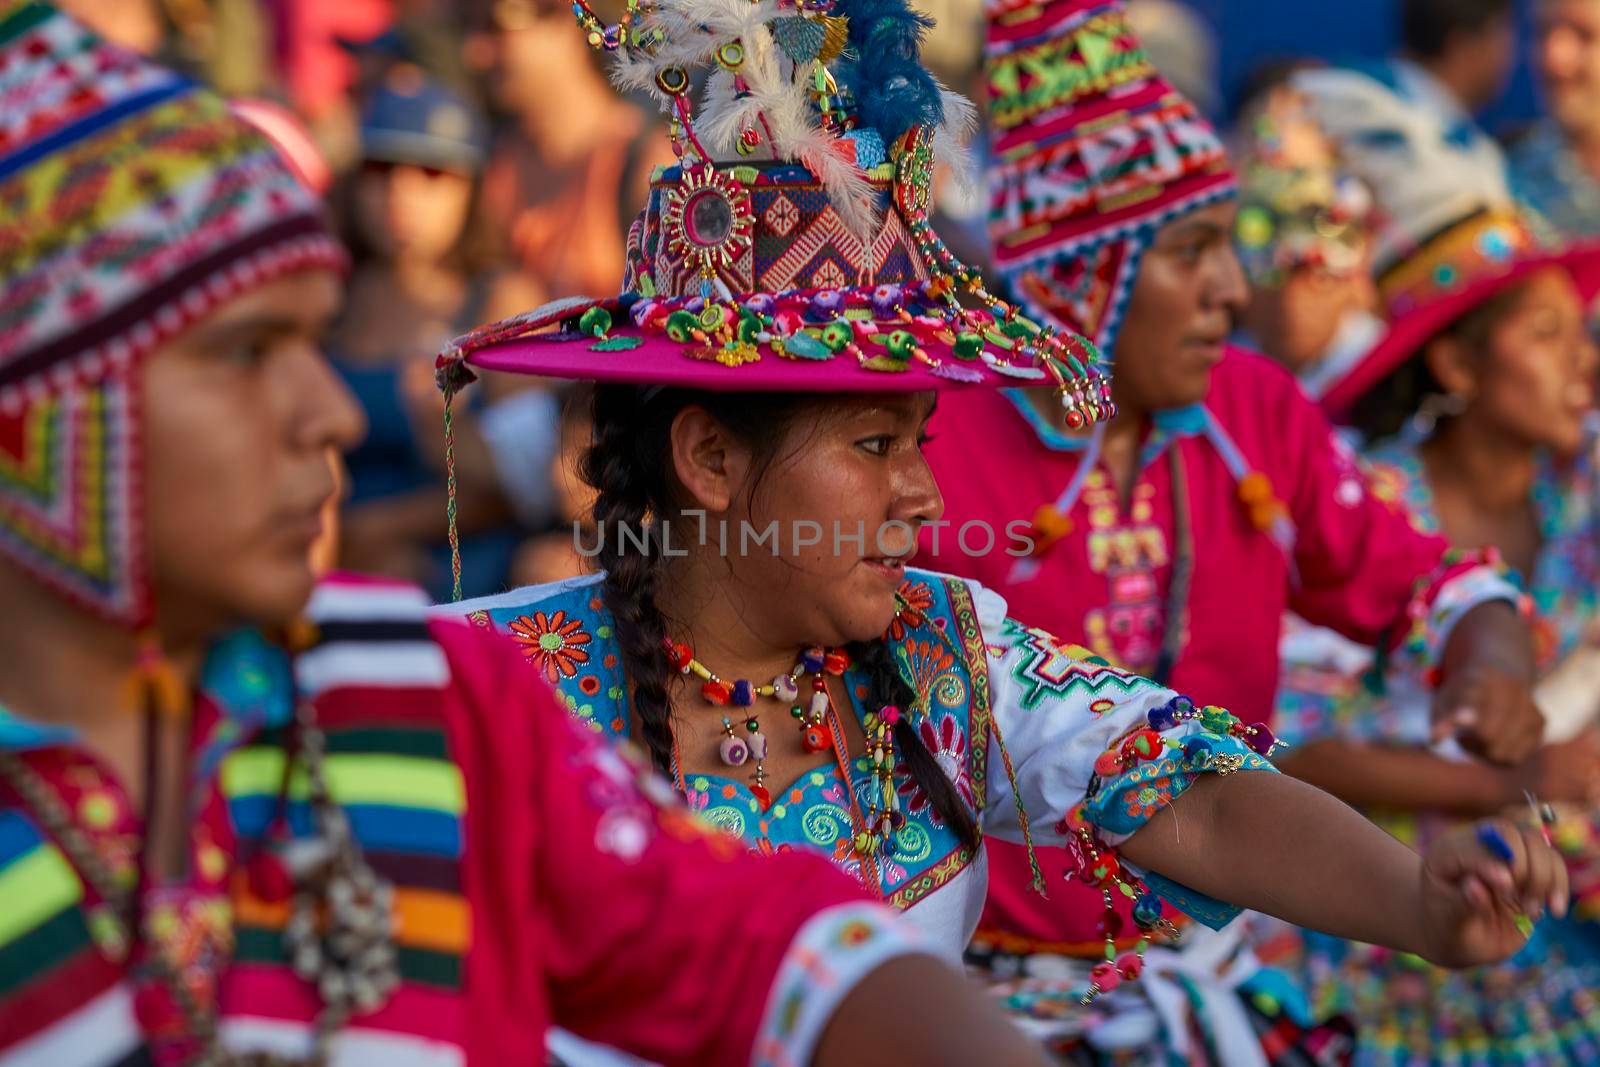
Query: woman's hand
(1485, 694)
(1568, 773)
(1481, 885)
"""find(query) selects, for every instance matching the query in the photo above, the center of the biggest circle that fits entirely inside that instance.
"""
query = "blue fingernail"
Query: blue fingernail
(1491, 838)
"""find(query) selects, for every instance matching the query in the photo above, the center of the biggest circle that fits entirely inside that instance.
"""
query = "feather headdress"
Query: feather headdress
(827, 88)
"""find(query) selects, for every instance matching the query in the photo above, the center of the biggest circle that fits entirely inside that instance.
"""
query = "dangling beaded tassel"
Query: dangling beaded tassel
(813, 717)
(758, 752)
(885, 817)
(736, 751)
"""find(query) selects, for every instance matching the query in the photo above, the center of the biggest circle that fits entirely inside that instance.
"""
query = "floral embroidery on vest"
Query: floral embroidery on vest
(938, 645)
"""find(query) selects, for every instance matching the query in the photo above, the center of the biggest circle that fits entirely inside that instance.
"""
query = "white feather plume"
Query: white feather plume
(952, 140)
(689, 33)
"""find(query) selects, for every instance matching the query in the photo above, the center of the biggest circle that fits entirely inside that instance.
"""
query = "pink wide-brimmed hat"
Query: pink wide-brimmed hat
(1455, 272)
(790, 247)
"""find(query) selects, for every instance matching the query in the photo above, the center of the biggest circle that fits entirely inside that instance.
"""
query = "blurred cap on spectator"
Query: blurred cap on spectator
(412, 119)
(285, 130)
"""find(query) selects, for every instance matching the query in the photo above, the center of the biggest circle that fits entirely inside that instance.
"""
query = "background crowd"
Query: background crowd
(479, 164)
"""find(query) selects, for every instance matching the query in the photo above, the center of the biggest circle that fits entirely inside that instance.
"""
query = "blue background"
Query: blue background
(1250, 32)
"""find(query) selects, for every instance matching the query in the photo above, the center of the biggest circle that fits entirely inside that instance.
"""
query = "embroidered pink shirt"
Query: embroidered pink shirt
(540, 877)
(1349, 561)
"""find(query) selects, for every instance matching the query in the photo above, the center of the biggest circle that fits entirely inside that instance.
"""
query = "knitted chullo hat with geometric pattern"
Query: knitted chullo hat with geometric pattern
(1093, 152)
(132, 204)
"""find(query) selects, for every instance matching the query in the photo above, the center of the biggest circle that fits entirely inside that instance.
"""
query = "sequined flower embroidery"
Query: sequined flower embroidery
(949, 747)
(915, 600)
(1149, 798)
(553, 642)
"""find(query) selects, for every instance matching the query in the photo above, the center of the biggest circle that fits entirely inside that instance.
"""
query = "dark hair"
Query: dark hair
(1384, 410)
(1266, 78)
(627, 465)
(1427, 26)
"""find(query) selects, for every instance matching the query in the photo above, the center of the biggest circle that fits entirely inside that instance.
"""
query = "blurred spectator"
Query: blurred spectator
(1458, 56)
(572, 169)
(1410, 119)
(1555, 167)
(1304, 233)
(554, 556)
(133, 24)
(416, 284)
(1181, 45)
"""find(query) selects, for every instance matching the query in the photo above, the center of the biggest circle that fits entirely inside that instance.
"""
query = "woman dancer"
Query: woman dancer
(753, 420)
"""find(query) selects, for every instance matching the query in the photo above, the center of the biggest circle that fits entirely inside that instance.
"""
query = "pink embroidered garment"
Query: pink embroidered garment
(1350, 562)
(540, 878)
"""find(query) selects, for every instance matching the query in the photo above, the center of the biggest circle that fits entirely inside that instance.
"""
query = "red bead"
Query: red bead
(1104, 870)
(717, 692)
(1110, 925)
(816, 739)
(1130, 966)
(678, 654)
(1109, 764)
(1143, 745)
(762, 796)
(835, 662)
(1105, 976)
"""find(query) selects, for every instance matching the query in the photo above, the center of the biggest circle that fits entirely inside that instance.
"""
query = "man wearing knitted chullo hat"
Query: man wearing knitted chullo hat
(1172, 539)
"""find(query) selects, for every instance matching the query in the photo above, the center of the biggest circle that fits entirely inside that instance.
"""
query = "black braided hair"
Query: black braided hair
(886, 685)
(627, 465)
(630, 489)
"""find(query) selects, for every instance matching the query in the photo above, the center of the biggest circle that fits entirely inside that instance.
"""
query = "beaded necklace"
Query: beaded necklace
(873, 833)
(736, 751)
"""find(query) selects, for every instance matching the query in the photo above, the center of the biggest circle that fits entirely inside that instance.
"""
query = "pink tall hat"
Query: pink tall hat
(132, 203)
(1093, 152)
(790, 247)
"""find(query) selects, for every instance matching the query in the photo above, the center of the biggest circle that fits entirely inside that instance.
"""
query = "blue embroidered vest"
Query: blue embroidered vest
(565, 631)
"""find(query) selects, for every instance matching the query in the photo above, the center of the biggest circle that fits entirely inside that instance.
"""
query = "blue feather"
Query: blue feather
(882, 67)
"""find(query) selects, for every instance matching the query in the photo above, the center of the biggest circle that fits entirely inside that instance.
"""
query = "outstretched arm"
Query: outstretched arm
(1278, 845)
(1400, 779)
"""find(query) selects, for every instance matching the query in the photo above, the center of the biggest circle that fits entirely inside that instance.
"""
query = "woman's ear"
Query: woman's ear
(1451, 364)
(708, 462)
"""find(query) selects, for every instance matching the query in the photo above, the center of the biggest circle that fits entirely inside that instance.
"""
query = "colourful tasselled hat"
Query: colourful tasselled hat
(1093, 152)
(1450, 237)
(132, 203)
(790, 246)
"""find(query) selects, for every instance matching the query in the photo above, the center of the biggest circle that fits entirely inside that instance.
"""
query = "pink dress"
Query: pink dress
(1334, 554)
(540, 877)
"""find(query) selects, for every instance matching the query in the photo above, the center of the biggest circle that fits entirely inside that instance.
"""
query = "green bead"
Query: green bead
(797, 711)
(901, 344)
(680, 327)
(837, 336)
(968, 346)
(1127, 890)
(595, 322)
(750, 325)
